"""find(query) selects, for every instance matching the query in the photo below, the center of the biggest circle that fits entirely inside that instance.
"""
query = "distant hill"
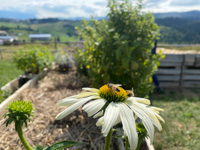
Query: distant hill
(190, 15)
(63, 30)
(179, 30)
(175, 27)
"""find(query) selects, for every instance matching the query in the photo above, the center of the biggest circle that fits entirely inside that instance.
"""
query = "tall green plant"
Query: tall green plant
(118, 50)
(33, 61)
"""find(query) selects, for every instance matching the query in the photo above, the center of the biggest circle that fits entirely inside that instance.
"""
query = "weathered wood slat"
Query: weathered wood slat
(168, 78)
(173, 68)
(170, 64)
(192, 60)
(169, 84)
(171, 58)
(11, 86)
(168, 71)
(18, 93)
(191, 71)
(190, 84)
(189, 60)
(191, 77)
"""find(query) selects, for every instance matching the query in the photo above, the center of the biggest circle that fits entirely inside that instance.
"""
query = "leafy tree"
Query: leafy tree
(118, 50)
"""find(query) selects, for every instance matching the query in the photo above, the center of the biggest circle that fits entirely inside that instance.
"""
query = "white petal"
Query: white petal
(86, 94)
(100, 121)
(73, 107)
(98, 114)
(159, 117)
(110, 117)
(68, 101)
(145, 119)
(93, 107)
(150, 113)
(140, 100)
(129, 127)
(156, 108)
(91, 90)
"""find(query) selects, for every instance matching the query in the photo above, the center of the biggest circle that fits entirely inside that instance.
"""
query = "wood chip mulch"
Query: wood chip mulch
(45, 130)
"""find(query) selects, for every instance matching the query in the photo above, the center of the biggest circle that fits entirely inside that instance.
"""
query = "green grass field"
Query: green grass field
(8, 70)
(64, 30)
(181, 130)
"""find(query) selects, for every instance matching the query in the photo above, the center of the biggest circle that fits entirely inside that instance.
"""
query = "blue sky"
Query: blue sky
(84, 8)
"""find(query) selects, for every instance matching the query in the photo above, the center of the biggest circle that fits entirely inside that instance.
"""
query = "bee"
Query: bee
(114, 87)
(130, 93)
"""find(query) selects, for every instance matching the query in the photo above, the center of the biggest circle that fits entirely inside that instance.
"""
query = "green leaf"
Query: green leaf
(62, 144)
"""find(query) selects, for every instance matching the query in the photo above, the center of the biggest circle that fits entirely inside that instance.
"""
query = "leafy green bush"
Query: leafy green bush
(33, 61)
(118, 50)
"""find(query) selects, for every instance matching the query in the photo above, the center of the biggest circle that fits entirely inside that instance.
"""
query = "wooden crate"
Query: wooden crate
(179, 70)
(172, 61)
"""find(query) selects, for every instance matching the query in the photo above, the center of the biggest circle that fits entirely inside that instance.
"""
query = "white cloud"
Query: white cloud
(172, 5)
(84, 8)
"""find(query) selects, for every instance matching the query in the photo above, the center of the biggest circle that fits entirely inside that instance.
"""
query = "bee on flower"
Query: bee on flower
(114, 87)
(115, 106)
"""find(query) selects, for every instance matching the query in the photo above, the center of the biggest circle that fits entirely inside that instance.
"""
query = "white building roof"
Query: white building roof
(7, 38)
(40, 36)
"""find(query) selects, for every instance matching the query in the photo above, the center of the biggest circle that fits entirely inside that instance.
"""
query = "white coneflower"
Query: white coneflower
(113, 107)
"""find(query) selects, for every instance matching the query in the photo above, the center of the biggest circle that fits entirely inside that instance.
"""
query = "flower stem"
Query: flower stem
(22, 138)
(139, 143)
(126, 143)
(107, 141)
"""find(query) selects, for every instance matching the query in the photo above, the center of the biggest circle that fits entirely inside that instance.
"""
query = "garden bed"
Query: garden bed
(45, 129)
(13, 87)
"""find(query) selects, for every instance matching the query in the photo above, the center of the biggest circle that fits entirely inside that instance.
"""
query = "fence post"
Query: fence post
(181, 73)
(55, 42)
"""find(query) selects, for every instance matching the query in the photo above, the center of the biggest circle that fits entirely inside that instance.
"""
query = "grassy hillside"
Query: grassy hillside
(62, 29)
(173, 30)
(177, 30)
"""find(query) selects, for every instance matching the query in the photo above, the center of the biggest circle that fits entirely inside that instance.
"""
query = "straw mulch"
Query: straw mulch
(45, 130)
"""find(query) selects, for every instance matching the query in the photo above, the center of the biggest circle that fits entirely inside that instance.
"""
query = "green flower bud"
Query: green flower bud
(20, 112)
(142, 132)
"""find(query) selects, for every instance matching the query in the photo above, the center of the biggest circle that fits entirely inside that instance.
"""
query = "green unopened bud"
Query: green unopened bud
(142, 132)
(20, 112)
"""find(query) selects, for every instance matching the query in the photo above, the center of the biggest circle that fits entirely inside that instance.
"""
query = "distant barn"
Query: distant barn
(40, 37)
(6, 39)
(3, 33)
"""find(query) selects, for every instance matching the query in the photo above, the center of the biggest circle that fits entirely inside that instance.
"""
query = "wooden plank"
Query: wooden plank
(197, 61)
(168, 78)
(173, 58)
(168, 71)
(191, 77)
(191, 71)
(11, 86)
(18, 93)
(191, 84)
(170, 64)
(189, 59)
(149, 145)
(169, 84)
